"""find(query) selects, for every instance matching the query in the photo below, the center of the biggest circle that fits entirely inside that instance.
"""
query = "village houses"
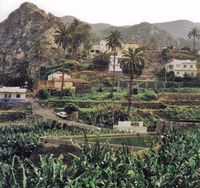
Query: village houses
(55, 81)
(182, 68)
(12, 95)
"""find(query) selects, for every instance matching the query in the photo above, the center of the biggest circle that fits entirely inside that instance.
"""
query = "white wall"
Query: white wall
(13, 96)
(117, 64)
(182, 67)
(58, 76)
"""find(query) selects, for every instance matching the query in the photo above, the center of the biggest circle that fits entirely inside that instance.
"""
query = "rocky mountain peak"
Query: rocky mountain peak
(24, 27)
(28, 5)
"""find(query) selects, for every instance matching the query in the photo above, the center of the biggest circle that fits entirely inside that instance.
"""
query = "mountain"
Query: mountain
(96, 27)
(179, 28)
(28, 23)
(24, 27)
(68, 19)
(100, 26)
(143, 34)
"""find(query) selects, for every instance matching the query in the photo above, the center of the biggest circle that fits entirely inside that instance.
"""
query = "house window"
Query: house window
(185, 66)
(9, 95)
(6, 95)
(170, 66)
(191, 66)
(18, 95)
(177, 72)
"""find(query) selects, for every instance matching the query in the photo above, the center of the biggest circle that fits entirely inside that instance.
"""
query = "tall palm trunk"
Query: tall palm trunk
(38, 75)
(130, 93)
(194, 42)
(113, 78)
(63, 74)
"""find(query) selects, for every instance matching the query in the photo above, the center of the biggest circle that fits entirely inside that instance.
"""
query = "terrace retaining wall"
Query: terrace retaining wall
(179, 125)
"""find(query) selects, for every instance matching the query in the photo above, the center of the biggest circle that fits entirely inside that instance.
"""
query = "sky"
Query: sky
(115, 12)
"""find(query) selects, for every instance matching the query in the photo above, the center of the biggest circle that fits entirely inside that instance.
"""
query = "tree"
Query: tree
(195, 34)
(113, 41)
(21, 74)
(166, 54)
(132, 65)
(80, 33)
(40, 50)
(63, 40)
(101, 61)
(5, 61)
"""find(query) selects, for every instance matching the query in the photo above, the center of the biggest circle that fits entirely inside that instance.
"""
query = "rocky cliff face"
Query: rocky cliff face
(24, 27)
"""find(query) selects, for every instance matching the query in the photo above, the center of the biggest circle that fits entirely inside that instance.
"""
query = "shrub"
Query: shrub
(166, 54)
(69, 108)
(146, 95)
(12, 116)
(43, 94)
(101, 62)
(178, 79)
(107, 116)
(186, 48)
(107, 82)
(68, 92)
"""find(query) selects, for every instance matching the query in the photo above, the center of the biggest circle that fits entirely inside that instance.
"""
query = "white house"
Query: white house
(101, 47)
(57, 76)
(128, 126)
(12, 94)
(119, 56)
(182, 68)
(118, 69)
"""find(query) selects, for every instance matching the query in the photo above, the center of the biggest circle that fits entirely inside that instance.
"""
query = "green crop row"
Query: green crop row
(174, 163)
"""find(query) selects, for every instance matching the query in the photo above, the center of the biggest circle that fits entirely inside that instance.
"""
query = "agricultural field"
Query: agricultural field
(149, 106)
(173, 162)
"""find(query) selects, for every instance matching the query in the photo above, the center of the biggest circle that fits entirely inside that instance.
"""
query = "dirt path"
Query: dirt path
(46, 113)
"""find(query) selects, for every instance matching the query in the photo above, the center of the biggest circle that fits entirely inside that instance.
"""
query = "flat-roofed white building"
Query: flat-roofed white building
(180, 68)
(58, 75)
(98, 48)
(117, 63)
(12, 94)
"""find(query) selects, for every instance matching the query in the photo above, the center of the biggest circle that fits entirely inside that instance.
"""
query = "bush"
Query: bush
(69, 108)
(43, 94)
(166, 54)
(178, 79)
(12, 116)
(101, 62)
(68, 92)
(146, 95)
(106, 116)
(186, 48)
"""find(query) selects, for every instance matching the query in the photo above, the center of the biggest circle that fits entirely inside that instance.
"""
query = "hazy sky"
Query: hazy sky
(116, 12)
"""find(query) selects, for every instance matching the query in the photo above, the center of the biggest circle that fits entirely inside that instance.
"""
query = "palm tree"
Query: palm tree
(113, 41)
(195, 34)
(80, 33)
(63, 40)
(101, 61)
(132, 65)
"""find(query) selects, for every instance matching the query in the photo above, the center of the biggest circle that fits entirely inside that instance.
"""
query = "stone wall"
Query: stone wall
(179, 125)
(14, 106)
